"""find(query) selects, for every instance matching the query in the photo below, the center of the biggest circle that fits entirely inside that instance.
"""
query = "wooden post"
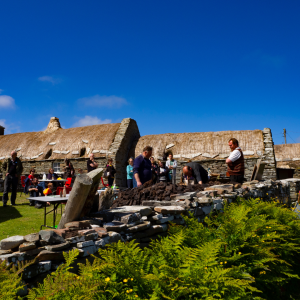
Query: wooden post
(95, 175)
(77, 198)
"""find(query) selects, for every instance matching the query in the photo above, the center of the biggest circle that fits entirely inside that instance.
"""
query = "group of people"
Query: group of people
(144, 168)
(139, 170)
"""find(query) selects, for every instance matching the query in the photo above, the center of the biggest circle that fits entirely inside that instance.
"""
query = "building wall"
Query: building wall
(288, 157)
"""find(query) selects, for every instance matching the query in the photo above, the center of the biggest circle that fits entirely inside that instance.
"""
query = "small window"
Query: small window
(56, 167)
(49, 153)
(82, 152)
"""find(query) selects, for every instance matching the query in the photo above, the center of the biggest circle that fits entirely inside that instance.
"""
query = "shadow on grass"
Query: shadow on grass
(8, 213)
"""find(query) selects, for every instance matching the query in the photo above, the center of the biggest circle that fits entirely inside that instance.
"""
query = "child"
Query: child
(48, 190)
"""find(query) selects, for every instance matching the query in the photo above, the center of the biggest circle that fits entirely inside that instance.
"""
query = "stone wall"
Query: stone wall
(220, 167)
(288, 157)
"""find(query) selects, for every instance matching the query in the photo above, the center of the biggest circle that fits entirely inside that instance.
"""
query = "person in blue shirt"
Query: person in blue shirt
(129, 171)
(142, 167)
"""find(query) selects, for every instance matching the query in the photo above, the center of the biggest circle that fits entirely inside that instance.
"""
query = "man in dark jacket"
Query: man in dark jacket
(142, 167)
(12, 169)
(193, 169)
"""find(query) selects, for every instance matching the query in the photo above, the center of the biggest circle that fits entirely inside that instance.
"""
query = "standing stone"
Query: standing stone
(76, 202)
(95, 175)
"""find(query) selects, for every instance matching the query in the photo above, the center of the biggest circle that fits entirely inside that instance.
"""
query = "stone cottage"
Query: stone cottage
(211, 149)
(288, 157)
(48, 149)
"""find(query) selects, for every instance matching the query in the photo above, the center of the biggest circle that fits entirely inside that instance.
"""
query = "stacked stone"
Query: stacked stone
(269, 155)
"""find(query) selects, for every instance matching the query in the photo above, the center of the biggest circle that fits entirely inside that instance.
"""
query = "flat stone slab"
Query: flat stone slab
(78, 224)
(153, 203)
(2, 252)
(206, 209)
(27, 246)
(220, 188)
(127, 218)
(115, 226)
(102, 232)
(51, 237)
(87, 251)
(49, 255)
(169, 209)
(32, 237)
(11, 242)
(85, 244)
(36, 269)
(12, 258)
(58, 247)
(76, 239)
(143, 210)
(113, 237)
(86, 231)
(185, 196)
(139, 227)
(34, 252)
(165, 220)
(203, 200)
(91, 236)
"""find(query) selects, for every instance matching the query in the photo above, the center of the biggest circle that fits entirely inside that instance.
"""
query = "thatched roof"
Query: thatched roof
(63, 143)
(202, 145)
(287, 151)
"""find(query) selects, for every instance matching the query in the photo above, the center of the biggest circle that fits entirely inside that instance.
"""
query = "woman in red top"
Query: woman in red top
(31, 176)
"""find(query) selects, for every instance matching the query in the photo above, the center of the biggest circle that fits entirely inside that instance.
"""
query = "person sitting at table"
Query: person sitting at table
(69, 171)
(31, 176)
(52, 175)
(35, 190)
(49, 189)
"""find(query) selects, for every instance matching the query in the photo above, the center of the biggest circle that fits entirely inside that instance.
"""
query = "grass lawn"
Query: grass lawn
(23, 219)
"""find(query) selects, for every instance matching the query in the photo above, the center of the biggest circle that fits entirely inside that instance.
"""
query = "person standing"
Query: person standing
(129, 171)
(142, 167)
(12, 169)
(110, 171)
(162, 172)
(235, 162)
(171, 164)
(196, 171)
(69, 171)
(153, 169)
(91, 163)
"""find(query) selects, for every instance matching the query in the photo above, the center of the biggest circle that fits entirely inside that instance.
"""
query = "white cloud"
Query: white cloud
(50, 79)
(103, 101)
(9, 128)
(89, 120)
(7, 101)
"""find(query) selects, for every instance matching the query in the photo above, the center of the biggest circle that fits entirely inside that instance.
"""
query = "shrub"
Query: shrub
(250, 251)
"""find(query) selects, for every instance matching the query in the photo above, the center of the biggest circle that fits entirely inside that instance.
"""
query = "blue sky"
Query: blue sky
(173, 66)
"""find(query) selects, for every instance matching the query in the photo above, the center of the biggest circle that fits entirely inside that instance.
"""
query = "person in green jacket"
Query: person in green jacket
(12, 169)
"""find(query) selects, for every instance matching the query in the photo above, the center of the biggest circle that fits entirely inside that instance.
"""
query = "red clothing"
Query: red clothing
(47, 191)
(30, 178)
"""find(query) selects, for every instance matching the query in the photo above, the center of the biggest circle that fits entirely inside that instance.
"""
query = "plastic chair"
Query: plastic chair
(23, 177)
(68, 182)
(105, 185)
(60, 188)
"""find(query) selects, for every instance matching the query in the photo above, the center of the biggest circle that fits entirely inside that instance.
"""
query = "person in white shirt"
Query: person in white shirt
(235, 162)
(171, 164)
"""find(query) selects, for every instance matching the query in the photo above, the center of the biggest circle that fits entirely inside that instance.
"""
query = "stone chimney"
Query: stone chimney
(1, 130)
(53, 125)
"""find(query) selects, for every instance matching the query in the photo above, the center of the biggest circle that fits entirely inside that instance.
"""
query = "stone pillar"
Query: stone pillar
(127, 133)
(269, 155)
